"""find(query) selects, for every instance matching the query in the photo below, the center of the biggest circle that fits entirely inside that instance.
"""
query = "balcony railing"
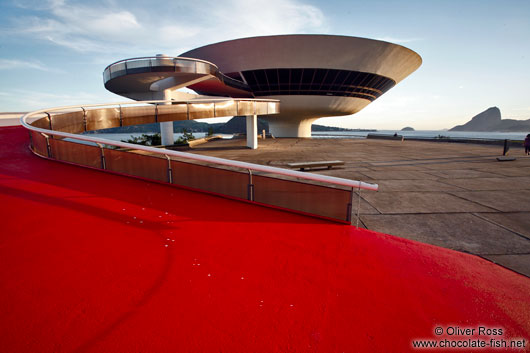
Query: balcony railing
(56, 135)
(168, 64)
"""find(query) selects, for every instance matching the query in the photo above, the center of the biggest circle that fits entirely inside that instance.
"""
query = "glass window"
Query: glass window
(320, 74)
(331, 76)
(307, 76)
(296, 76)
(283, 75)
(261, 78)
(272, 77)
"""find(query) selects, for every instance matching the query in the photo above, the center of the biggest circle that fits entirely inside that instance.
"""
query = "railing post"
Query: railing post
(84, 118)
(506, 148)
(49, 120)
(349, 208)
(250, 188)
(48, 147)
(169, 170)
(359, 206)
(121, 116)
(103, 161)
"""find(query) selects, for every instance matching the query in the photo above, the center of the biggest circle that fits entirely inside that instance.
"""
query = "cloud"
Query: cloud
(133, 29)
(11, 64)
(251, 18)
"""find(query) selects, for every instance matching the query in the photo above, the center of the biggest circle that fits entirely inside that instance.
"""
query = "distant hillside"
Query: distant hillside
(238, 125)
(408, 128)
(490, 120)
(316, 127)
(235, 125)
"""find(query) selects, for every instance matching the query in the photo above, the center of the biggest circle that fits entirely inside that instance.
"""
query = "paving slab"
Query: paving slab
(462, 173)
(513, 183)
(415, 185)
(511, 172)
(462, 232)
(518, 263)
(398, 167)
(421, 202)
(448, 165)
(518, 222)
(345, 173)
(410, 175)
(501, 200)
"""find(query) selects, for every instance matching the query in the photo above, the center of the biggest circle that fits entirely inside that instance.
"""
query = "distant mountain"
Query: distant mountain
(238, 125)
(316, 127)
(490, 120)
(235, 125)
(408, 128)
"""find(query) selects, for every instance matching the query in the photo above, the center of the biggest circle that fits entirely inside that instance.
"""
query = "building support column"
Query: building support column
(166, 127)
(252, 131)
(166, 133)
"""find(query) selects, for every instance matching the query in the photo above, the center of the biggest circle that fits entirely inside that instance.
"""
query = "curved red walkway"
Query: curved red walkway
(96, 262)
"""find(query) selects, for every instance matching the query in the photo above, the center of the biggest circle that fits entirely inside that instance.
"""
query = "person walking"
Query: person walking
(527, 145)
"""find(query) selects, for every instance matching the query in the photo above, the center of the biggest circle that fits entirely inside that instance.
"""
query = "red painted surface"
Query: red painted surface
(104, 263)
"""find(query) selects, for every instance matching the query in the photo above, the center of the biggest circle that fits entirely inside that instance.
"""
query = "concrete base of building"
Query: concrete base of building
(290, 128)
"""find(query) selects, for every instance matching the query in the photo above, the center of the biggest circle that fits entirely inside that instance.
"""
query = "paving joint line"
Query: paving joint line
(475, 202)
(501, 226)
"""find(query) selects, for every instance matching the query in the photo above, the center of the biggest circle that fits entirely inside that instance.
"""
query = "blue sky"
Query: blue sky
(476, 54)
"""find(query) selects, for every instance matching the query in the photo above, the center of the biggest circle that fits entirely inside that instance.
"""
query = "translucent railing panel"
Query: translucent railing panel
(261, 109)
(106, 75)
(325, 201)
(117, 70)
(201, 111)
(77, 153)
(204, 68)
(273, 108)
(228, 108)
(162, 61)
(137, 165)
(172, 112)
(42, 123)
(220, 181)
(69, 122)
(185, 66)
(138, 115)
(97, 119)
(39, 144)
(245, 108)
(133, 64)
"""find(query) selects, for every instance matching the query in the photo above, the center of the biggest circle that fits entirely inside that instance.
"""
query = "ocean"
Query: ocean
(427, 134)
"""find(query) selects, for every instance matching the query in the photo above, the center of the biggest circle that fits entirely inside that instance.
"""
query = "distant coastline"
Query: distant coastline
(233, 126)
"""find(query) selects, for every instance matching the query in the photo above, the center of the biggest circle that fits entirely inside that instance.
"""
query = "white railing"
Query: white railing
(214, 160)
(352, 185)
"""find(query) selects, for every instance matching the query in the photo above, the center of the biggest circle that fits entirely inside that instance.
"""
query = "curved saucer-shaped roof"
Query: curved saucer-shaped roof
(311, 51)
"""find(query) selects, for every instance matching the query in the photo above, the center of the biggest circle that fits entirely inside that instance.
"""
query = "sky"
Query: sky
(476, 53)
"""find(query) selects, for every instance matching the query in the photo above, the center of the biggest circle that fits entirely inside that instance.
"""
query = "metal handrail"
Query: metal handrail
(190, 156)
(229, 81)
(161, 58)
